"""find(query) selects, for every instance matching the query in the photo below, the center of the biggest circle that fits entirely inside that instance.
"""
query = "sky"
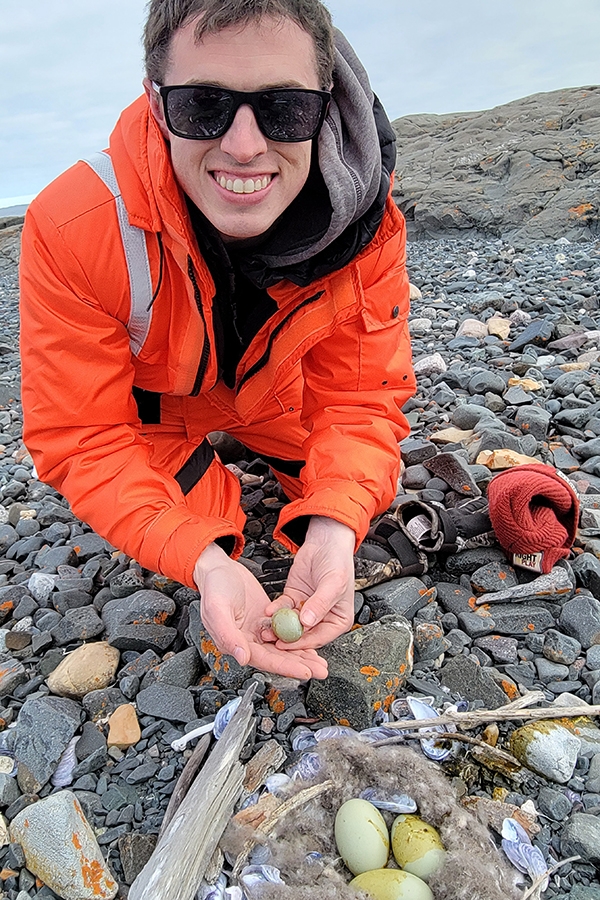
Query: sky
(70, 67)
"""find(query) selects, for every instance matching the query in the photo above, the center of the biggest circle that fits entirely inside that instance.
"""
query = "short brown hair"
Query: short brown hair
(166, 16)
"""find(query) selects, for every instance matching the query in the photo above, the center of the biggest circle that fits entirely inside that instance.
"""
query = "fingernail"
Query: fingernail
(240, 655)
(309, 619)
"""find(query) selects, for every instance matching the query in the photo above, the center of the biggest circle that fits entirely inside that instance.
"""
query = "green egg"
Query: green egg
(286, 625)
(391, 884)
(361, 836)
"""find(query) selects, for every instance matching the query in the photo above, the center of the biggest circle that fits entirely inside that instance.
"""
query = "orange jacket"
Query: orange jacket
(81, 422)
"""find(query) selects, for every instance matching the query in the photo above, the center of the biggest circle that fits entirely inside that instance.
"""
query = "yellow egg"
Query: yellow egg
(391, 884)
(417, 846)
(361, 836)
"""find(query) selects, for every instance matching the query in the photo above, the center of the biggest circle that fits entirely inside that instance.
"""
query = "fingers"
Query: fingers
(331, 590)
(301, 664)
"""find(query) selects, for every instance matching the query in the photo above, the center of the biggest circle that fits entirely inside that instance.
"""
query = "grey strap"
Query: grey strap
(136, 255)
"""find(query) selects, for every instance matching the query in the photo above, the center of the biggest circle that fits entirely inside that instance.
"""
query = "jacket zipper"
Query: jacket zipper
(261, 363)
(203, 364)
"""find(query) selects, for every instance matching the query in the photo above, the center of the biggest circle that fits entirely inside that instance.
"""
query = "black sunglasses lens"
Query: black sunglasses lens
(199, 112)
(288, 115)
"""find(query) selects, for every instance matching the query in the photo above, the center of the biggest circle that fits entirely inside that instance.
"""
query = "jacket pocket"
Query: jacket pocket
(385, 303)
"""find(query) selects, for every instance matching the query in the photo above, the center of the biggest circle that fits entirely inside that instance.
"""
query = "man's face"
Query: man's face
(274, 53)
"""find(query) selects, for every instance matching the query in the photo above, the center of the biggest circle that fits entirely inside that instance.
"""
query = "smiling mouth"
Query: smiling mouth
(243, 185)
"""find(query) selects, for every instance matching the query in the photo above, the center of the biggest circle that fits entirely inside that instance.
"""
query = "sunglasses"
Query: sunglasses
(201, 112)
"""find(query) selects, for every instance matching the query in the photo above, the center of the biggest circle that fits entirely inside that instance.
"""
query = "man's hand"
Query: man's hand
(320, 584)
(233, 612)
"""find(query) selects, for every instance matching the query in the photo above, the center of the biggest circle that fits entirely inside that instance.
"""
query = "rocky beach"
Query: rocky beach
(105, 665)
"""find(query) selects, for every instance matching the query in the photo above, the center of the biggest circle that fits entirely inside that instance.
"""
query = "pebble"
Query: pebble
(88, 668)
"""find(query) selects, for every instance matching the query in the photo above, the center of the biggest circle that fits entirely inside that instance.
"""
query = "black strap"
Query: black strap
(192, 471)
(291, 467)
(148, 404)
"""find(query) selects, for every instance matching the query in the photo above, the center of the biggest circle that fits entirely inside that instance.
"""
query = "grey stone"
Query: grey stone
(587, 571)
(12, 674)
(501, 649)
(415, 477)
(182, 669)
(455, 471)
(92, 763)
(101, 703)
(44, 728)
(477, 624)
(88, 545)
(141, 638)
(580, 618)
(126, 584)
(493, 576)
(166, 701)
(464, 677)
(520, 619)
(553, 804)
(581, 837)
(9, 790)
(560, 648)
(77, 625)
(468, 561)
(538, 333)
(415, 451)
(533, 420)
(91, 739)
(140, 608)
(401, 596)
(52, 557)
(467, 415)
(485, 381)
(592, 657)
(366, 666)
(550, 671)
(593, 775)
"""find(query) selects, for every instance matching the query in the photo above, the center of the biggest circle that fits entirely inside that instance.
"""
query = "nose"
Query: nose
(244, 140)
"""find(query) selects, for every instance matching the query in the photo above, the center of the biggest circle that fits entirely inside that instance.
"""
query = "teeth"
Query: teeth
(238, 186)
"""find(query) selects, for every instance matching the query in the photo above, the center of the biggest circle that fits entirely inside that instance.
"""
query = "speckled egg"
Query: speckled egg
(286, 625)
(391, 884)
(361, 836)
(417, 846)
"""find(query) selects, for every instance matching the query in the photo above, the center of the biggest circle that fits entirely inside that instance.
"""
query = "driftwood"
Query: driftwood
(184, 851)
(493, 757)
(510, 712)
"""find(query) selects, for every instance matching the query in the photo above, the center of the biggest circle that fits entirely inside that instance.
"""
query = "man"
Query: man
(235, 263)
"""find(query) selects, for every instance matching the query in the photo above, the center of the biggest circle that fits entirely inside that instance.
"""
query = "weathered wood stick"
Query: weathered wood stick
(185, 780)
(503, 714)
(500, 755)
(178, 864)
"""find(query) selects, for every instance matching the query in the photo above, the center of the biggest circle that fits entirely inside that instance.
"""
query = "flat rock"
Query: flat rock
(61, 849)
(44, 728)
(580, 619)
(77, 625)
(135, 851)
(166, 701)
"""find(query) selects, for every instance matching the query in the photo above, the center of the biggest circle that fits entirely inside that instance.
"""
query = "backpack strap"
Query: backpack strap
(136, 256)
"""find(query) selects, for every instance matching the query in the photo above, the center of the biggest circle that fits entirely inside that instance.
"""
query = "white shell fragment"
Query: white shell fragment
(521, 852)
(395, 803)
(222, 719)
(63, 774)
(429, 746)
(252, 876)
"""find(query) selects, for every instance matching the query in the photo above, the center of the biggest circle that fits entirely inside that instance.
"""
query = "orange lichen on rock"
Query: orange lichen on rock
(576, 212)
(509, 689)
(273, 698)
(369, 671)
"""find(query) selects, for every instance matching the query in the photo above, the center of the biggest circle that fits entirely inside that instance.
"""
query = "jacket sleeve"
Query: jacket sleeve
(356, 383)
(81, 423)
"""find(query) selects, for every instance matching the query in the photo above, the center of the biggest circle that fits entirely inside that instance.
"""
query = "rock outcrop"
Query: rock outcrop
(527, 171)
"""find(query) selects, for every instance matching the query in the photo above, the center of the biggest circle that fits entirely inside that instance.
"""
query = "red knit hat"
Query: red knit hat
(534, 511)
